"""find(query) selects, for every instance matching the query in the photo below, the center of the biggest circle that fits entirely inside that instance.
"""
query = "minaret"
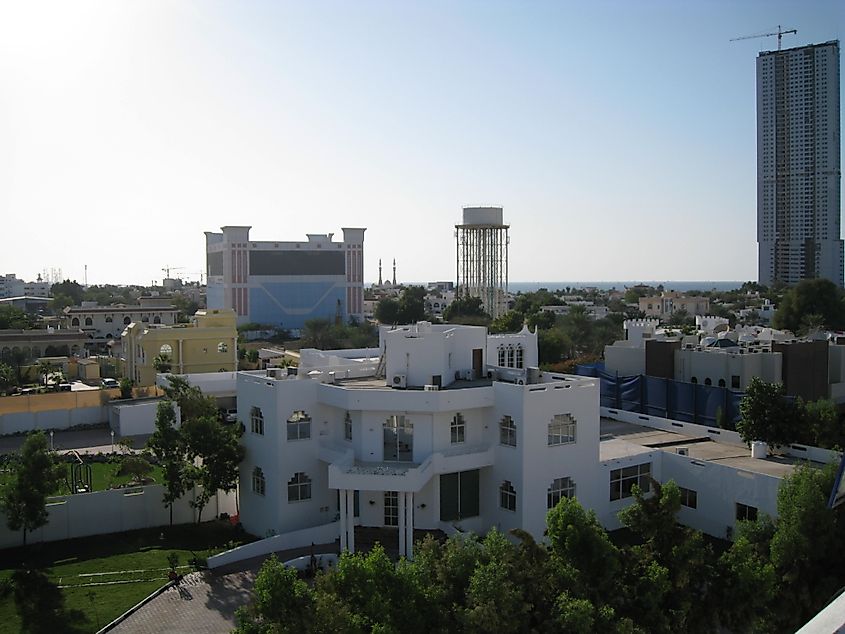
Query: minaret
(379, 271)
(394, 271)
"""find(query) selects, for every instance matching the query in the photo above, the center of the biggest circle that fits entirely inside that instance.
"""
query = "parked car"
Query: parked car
(109, 383)
(64, 387)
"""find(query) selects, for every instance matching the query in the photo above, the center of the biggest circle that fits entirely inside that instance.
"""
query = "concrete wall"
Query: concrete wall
(113, 511)
(134, 419)
(60, 410)
(624, 359)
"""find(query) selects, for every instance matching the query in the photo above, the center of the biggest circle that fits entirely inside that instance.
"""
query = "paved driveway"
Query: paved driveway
(203, 604)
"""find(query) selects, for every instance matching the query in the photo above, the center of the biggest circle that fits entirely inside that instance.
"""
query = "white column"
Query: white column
(409, 540)
(350, 519)
(181, 359)
(402, 535)
(342, 508)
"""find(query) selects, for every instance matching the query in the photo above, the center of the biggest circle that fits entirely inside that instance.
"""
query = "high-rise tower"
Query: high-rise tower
(482, 252)
(798, 165)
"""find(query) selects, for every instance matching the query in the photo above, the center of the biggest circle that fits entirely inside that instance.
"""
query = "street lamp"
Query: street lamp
(112, 441)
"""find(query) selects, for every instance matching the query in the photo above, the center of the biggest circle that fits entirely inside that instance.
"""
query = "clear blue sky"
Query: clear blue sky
(618, 136)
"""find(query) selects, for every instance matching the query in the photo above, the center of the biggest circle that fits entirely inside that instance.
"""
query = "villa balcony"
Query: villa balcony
(346, 473)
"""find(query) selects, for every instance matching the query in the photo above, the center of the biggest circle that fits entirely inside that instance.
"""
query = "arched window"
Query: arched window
(256, 419)
(166, 350)
(126, 321)
(693, 380)
(560, 488)
(299, 426)
(707, 381)
(511, 360)
(507, 431)
(299, 488)
(507, 496)
(89, 321)
(222, 347)
(502, 357)
(519, 357)
(258, 484)
(347, 427)
(75, 322)
(109, 319)
(156, 319)
(398, 439)
(721, 382)
(457, 429)
(145, 319)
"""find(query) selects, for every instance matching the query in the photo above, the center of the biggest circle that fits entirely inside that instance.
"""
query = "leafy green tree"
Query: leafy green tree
(73, 290)
(466, 310)
(823, 424)
(811, 303)
(807, 550)
(511, 321)
(408, 309)
(252, 355)
(282, 603)
(387, 311)
(7, 376)
(35, 476)
(767, 415)
(15, 319)
(319, 333)
(125, 384)
(135, 466)
(167, 445)
(44, 369)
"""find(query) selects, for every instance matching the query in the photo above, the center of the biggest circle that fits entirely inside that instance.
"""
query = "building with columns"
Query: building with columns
(285, 284)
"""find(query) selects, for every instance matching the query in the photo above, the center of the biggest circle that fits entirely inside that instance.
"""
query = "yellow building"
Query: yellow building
(207, 344)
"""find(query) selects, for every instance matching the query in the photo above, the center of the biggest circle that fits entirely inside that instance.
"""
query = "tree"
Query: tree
(319, 333)
(464, 310)
(167, 445)
(125, 385)
(282, 603)
(767, 415)
(162, 363)
(73, 290)
(252, 355)
(44, 369)
(408, 309)
(35, 476)
(810, 303)
(7, 376)
(511, 321)
(136, 467)
(15, 319)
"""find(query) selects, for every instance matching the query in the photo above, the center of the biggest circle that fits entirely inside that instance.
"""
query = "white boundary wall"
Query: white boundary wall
(113, 511)
(294, 539)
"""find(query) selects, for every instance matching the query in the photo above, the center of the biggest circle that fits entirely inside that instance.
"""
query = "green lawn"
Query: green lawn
(137, 558)
(102, 477)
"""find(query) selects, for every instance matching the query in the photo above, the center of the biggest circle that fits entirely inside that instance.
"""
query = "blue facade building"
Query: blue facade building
(284, 284)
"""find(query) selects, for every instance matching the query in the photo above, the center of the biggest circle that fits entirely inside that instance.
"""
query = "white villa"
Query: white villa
(447, 427)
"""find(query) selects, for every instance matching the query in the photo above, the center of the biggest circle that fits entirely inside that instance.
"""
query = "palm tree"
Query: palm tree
(45, 368)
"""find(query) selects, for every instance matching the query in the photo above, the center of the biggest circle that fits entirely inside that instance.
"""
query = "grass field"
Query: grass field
(103, 477)
(60, 594)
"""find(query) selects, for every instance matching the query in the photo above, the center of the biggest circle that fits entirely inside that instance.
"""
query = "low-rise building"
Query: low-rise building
(207, 344)
(32, 345)
(104, 323)
(11, 286)
(663, 306)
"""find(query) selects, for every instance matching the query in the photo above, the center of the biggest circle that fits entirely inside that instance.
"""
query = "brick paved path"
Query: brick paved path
(203, 604)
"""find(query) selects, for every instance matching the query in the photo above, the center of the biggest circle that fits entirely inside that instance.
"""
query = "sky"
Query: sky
(618, 136)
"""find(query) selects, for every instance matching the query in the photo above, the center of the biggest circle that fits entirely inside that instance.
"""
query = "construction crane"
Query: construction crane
(780, 33)
(167, 269)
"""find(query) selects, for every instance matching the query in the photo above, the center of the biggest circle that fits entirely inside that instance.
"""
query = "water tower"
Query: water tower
(482, 252)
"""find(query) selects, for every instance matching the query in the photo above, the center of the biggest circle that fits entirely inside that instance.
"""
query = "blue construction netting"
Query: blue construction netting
(688, 402)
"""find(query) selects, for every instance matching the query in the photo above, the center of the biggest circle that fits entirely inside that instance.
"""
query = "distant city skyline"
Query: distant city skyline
(620, 138)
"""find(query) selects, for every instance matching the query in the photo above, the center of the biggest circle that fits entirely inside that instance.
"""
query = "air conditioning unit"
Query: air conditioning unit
(399, 381)
(430, 388)
(520, 381)
(466, 375)
(682, 451)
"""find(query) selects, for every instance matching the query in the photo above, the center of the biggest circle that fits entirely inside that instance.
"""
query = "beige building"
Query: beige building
(664, 305)
(207, 344)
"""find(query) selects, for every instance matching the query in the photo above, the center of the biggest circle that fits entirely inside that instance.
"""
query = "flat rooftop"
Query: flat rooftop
(620, 439)
(380, 383)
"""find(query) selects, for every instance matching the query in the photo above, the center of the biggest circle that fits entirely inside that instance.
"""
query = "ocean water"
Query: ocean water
(669, 285)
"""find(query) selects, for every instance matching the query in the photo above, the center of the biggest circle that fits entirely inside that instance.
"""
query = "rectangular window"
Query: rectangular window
(507, 496)
(507, 431)
(457, 429)
(689, 498)
(744, 512)
(258, 483)
(299, 488)
(299, 426)
(622, 481)
(562, 430)
(735, 381)
(256, 421)
(391, 508)
(459, 495)
(347, 427)
(398, 439)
